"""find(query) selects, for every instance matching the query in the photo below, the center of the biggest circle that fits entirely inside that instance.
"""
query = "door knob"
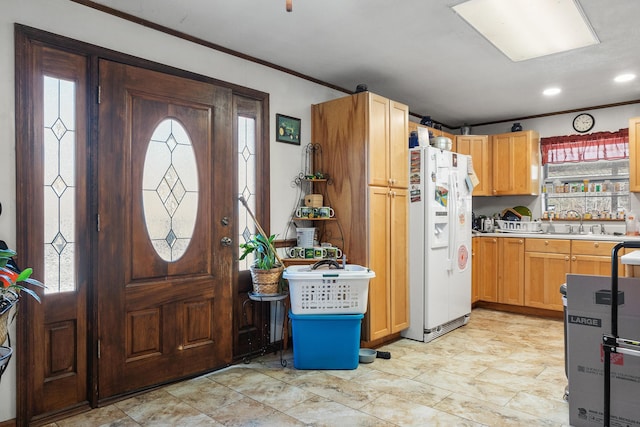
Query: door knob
(226, 241)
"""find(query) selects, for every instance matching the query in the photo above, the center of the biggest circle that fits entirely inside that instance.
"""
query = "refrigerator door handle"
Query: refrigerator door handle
(453, 213)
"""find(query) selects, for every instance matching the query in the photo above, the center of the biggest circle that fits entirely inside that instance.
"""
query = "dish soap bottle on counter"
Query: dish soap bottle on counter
(631, 223)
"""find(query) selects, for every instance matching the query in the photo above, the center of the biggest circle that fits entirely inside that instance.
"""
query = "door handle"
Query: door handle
(226, 241)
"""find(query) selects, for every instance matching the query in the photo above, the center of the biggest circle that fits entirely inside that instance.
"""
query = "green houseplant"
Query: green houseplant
(11, 289)
(267, 267)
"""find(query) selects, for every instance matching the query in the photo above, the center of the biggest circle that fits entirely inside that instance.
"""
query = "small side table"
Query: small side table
(281, 303)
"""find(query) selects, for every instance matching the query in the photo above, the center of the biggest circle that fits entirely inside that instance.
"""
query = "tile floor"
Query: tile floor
(500, 369)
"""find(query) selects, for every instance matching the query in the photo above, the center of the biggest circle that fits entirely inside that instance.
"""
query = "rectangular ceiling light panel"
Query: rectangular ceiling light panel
(526, 29)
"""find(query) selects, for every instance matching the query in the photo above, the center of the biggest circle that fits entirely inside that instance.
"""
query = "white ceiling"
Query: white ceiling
(418, 52)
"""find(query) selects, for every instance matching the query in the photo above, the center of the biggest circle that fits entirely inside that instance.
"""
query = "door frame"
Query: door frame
(25, 38)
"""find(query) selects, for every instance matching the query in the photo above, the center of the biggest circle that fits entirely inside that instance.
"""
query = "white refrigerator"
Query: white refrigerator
(439, 242)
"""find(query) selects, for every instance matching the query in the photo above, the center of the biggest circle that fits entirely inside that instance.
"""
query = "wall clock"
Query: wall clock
(583, 122)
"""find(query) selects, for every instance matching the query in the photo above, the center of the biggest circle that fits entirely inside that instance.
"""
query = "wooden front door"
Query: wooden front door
(165, 260)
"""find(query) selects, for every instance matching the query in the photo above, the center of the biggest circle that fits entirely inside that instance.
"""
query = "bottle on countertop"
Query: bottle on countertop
(631, 223)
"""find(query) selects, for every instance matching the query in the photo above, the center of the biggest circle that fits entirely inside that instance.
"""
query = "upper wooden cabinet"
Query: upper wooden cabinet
(516, 163)
(388, 139)
(634, 154)
(477, 146)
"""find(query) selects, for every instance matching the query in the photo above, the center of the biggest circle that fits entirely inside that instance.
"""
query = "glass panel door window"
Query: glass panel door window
(59, 185)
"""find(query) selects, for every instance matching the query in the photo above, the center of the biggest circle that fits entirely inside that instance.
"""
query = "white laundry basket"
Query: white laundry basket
(328, 290)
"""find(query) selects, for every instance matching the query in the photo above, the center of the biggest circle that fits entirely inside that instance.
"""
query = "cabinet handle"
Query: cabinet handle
(546, 242)
(520, 241)
(566, 258)
(573, 258)
(596, 244)
(494, 240)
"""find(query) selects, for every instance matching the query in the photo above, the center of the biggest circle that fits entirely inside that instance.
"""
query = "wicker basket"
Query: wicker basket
(7, 309)
(4, 326)
(266, 282)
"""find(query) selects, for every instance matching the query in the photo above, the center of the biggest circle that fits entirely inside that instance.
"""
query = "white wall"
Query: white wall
(606, 120)
(289, 95)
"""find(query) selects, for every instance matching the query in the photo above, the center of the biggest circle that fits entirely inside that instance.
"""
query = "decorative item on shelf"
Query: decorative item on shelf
(313, 200)
(517, 127)
(413, 139)
(465, 129)
(266, 270)
(426, 121)
(361, 88)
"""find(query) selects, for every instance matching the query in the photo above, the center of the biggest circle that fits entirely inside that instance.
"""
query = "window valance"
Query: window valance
(585, 148)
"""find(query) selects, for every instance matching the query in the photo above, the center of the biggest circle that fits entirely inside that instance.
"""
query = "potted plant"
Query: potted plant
(11, 289)
(267, 267)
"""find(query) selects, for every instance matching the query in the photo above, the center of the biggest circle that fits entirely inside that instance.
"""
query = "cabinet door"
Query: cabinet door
(398, 145)
(511, 273)
(593, 257)
(594, 265)
(634, 154)
(398, 259)
(379, 140)
(475, 265)
(477, 146)
(516, 162)
(379, 308)
(545, 272)
(488, 270)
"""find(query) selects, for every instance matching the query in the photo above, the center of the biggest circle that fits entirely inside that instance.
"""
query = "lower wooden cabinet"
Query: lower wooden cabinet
(511, 270)
(487, 274)
(546, 267)
(593, 257)
(528, 272)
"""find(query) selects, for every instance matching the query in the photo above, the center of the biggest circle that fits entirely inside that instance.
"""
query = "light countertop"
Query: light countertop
(567, 236)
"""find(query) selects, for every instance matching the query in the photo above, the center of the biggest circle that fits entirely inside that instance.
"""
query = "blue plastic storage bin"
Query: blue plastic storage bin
(326, 341)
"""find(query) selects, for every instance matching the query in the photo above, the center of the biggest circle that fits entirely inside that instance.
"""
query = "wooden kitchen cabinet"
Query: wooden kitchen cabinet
(365, 153)
(511, 270)
(634, 154)
(515, 163)
(593, 257)
(546, 266)
(388, 150)
(487, 268)
(477, 146)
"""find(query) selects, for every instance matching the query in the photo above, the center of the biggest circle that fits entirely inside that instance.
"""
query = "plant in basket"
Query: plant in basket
(11, 289)
(267, 268)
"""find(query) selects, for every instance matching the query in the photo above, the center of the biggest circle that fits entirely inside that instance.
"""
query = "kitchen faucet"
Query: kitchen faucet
(581, 228)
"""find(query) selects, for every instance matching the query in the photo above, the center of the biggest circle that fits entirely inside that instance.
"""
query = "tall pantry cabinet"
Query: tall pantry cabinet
(365, 149)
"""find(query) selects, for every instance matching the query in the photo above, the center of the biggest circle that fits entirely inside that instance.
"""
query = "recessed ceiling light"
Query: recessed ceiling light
(525, 29)
(623, 78)
(552, 91)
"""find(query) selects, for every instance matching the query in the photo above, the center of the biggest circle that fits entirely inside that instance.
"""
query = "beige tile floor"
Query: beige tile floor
(500, 369)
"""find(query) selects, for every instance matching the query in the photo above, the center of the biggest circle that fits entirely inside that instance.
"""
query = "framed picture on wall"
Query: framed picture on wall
(287, 129)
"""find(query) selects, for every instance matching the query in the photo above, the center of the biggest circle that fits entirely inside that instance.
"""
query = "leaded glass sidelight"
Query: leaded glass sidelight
(246, 181)
(59, 168)
(170, 190)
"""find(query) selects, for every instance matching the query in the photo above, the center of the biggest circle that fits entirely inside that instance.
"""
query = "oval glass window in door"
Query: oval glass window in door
(170, 190)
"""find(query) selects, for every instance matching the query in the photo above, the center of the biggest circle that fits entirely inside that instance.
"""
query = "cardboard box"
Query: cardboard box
(588, 319)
